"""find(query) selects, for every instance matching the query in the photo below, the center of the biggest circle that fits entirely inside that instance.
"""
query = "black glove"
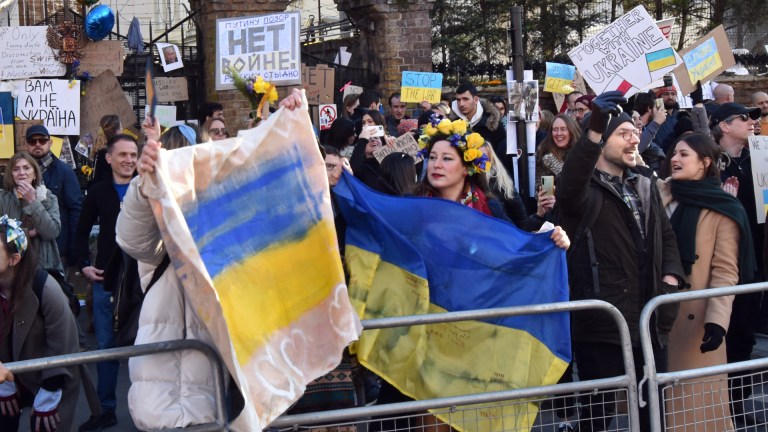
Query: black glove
(713, 337)
(603, 107)
(697, 96)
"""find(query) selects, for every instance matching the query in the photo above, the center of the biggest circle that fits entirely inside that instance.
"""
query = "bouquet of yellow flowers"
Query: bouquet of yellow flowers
(256, 90)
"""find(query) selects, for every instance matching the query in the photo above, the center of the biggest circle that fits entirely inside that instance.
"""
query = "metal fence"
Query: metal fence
(688, 396)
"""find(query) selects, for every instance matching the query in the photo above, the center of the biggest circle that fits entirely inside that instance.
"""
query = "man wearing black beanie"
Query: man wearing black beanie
(623, 252)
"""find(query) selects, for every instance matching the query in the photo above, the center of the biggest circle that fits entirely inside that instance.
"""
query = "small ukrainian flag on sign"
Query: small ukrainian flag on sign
(660, 59)
(765, 201)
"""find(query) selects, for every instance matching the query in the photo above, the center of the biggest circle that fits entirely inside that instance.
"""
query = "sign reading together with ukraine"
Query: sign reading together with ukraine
(249, 228)
(627, 55)
(417, 255)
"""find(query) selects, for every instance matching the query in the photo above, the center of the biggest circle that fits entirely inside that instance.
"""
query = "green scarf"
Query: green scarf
(692, 196)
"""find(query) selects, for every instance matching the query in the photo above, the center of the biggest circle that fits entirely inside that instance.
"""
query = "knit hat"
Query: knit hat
(586, 100)
(615, 122)
(661, 90)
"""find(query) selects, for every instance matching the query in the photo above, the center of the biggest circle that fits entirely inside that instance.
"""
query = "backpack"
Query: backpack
(121, 277)
(39, 281)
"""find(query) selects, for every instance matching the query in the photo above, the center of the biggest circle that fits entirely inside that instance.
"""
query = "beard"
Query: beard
(671, 105)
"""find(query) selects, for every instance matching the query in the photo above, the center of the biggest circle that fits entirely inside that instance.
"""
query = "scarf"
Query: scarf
(692, 196)
(472, 197)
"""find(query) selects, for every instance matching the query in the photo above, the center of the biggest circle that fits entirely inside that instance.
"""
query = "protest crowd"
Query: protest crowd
(635, 197)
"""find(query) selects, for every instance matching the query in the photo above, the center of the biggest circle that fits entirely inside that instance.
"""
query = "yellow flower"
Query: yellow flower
(475, 141)
(260, 86)
(429, 130)
(444, 127)
(273, 94)
(459, 127)
(423, 141)
(472, 154)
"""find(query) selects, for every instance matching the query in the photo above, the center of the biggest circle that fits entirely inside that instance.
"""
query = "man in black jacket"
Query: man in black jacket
(103, 202)
(624, 250)
(484, 118)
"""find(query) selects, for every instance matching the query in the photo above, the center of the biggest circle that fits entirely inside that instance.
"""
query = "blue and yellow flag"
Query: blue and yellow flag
(249, 228)
(413, 255)
(7, 148)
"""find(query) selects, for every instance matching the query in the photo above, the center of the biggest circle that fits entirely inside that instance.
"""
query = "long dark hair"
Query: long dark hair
(704, 147)
(338, 136)
(398, 173)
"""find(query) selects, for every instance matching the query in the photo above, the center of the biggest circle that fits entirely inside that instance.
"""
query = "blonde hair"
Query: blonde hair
(504, 182)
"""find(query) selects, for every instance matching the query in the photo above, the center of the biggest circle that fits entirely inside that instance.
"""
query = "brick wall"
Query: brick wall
(744, 86)
(396, 37)
(236, 107)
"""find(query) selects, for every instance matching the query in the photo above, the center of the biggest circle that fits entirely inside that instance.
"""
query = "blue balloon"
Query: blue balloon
(99, 22)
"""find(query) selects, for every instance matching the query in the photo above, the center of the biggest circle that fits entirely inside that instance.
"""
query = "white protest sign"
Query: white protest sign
(165, 114)
(266, 45)
(758, 154)
(351, 89)
(170, 57)
(54, 102)
(327, 116)
(627, 55)
(405, 143)
(665, 26)
(24, 53)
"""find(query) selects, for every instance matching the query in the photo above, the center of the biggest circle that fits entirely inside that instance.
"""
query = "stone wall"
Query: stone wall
(236, 106)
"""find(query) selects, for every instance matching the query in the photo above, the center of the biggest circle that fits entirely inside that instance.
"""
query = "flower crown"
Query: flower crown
(14, 233)
(459, 134)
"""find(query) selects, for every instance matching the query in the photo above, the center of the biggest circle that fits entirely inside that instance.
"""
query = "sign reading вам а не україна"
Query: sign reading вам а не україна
(265, 45)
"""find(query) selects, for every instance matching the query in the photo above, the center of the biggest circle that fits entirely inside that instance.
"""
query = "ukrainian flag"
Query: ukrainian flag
(7, 148)
(249, 227)
(660, 59)
(413, 255)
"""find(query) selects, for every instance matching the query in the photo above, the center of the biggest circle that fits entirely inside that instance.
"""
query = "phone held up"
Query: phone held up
(376, 131)
(548, 185)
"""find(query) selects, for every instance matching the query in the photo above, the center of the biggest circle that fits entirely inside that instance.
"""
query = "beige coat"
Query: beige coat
(702, 403)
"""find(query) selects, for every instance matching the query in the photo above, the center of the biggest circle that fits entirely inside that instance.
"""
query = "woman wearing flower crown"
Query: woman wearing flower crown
(35, 322)
(24, 197)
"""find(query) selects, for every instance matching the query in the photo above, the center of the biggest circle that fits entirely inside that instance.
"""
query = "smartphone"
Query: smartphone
(376, 131)
(667, 80)
(659, 103)
(548, 185)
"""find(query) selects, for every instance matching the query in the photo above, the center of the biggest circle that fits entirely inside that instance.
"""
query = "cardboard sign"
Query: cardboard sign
(405, 144)
(103, 55)
(705, 59)
(265, 45)
(758, 154)
(559, 78)
(55, 102)
(318, 80)
(665, 26)
(104, 96)
(20, 129)
(627, 55)
(24, 53)
(327, 116)
(171, 89)
(421, 86)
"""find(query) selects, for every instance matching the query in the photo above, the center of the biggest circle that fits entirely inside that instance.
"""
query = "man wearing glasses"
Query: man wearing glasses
(59, 178)
(624, 250)
(732, 125)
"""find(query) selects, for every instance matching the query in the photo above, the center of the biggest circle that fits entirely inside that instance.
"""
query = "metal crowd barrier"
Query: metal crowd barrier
(411, 415)
(137, 351)
(707, 390)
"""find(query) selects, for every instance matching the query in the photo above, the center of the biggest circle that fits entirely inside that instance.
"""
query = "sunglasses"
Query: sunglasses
(217, 131)
(37, 141)
(743, 117)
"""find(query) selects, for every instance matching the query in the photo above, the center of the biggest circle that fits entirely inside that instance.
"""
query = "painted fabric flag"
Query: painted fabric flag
(413, 255)
(7, 148)
(249, 228)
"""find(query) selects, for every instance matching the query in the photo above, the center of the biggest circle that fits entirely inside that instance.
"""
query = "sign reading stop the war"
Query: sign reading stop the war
(327, 116)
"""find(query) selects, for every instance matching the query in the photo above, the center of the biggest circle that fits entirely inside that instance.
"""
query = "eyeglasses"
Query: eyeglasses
(330, 167)
(743, 118)
(37, 141)
(579, 110)
(627, 134)
(217, 131)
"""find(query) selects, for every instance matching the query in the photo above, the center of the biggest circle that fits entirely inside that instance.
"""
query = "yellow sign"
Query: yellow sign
(702, 60)
(558, 85)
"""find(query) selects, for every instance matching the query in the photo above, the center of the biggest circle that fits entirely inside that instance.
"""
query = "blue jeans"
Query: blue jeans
(102, 323)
